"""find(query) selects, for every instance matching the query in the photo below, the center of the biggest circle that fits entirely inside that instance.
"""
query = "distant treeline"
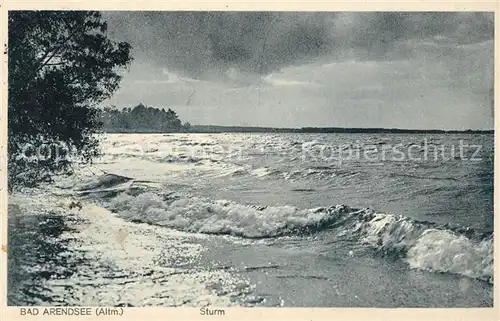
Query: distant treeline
(245, 129)
(142, 119)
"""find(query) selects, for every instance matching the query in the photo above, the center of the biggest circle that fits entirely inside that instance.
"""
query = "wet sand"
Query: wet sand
(291, 275)
(89, 257)
(36, 254)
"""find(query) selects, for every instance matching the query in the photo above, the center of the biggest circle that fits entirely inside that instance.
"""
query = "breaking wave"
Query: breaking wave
(195, 214)
(423, 245)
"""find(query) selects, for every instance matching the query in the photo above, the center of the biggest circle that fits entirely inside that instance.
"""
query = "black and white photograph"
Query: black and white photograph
(278, 159)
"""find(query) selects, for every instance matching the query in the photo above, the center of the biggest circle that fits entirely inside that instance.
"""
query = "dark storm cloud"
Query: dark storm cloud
(197, 43)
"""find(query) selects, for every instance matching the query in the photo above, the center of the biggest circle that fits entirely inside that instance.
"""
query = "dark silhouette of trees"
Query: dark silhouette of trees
(61, 65)
(142, 119)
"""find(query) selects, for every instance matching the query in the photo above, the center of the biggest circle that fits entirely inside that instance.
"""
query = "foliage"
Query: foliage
(61, 65)
(142, 119)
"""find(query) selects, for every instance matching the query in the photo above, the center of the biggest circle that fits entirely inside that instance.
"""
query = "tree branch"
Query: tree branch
(56, 49)
(55, 64)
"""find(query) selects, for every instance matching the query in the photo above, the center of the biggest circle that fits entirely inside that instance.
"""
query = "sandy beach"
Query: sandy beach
(89, 257)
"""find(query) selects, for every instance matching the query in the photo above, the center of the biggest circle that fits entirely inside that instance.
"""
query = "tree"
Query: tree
(142, 119)
(173, 119)
(61, 65)
(187, 126)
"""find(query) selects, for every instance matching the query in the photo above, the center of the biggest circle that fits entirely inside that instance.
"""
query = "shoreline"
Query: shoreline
(89, 257)
(209, 129)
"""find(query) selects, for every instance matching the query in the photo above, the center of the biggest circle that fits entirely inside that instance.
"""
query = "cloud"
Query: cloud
(273, 80)
(163, 77)
(207, 44)
(357, 69)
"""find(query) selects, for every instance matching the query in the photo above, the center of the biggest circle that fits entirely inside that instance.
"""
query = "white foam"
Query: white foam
(262, 172)
(389, 231)
(444, 251)
(437, 250)
(196, 214)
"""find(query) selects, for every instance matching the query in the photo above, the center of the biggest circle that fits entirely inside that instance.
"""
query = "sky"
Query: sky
(320, 69)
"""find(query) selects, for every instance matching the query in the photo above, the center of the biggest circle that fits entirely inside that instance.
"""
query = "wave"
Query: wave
(179, 159)
(313, 172)
(264, 171)
(422, 177)
(104, 181)
(195, 214)
(152, 156)
(303, 190)
(444, 251)
(423, 245)
(429, 246)
(319, 172)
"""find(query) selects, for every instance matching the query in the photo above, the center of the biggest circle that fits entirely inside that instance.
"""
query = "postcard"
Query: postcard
(296, 161)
